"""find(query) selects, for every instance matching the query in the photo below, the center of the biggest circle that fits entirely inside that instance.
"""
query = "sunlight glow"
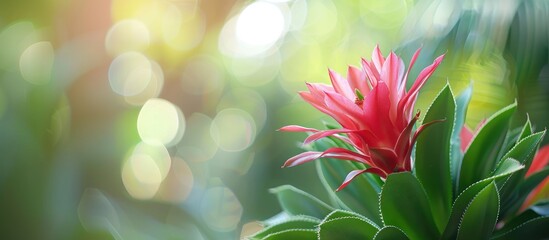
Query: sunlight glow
(258, 27)
(260, 23)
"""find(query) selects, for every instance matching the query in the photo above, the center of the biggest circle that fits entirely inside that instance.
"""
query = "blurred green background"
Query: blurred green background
(156, 119)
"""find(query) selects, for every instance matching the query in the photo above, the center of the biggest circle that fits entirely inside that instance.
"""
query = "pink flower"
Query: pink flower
(375, 113)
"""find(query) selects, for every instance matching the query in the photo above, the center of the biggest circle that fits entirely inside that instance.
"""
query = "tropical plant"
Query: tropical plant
(452, 184)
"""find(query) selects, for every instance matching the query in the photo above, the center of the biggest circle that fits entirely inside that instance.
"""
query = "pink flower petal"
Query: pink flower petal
(371, 72)
(357, 80)
(296, 128)
(346, 154)
(377, 58)
(376, 115)
(403, 143)
(410, 97)
(341, 85)
(301, 158)
(325, 133)
(342, 106)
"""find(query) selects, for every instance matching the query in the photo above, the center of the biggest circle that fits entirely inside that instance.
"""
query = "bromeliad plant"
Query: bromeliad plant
(436, 181)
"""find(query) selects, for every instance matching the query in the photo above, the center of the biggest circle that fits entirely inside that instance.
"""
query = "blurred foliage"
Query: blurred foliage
(75, 77)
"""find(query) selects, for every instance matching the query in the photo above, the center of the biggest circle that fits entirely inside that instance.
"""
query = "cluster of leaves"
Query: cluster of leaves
(450, 194)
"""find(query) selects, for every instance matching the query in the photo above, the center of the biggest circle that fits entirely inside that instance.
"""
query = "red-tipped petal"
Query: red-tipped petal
(353, 174)
(357, 80)
(412, 61)
(420, 80)
(346, 154)
(384, 158)
(296, 128)
(341, 85)
(302, 158)
(371, 72)
(325, 133)
(403, 142)
(376, 115)
(406, 104)
(541, 159)
(424, 74)
(344, 107)
(377, 58)
(533, 196)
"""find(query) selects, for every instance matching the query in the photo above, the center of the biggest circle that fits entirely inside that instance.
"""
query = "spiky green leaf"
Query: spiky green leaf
(404, 204)
(390, 233)
(464, 198)
(294, 222)
(302, 234)
(346, 225)
(433, 167)
(297, 202)
(480, 217)
(481, 156)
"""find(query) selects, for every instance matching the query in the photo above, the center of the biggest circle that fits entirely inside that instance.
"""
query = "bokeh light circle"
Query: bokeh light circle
(220, 209)
(151, 90)
(178, 185)
(197, 144)
(127, 35)
(233, 129)
(36, 63)
(145, 169)
(255, 30)
(260, 23)
(160, 121)
(130, 73)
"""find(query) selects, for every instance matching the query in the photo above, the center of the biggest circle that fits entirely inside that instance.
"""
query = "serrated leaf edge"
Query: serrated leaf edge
(288, 230)
(389, 226)
(519, 226)
(471, 202)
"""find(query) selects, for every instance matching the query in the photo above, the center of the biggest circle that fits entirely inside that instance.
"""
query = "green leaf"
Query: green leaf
(432, 163)
(390, 233)
(360, 196)
(481, 156)
(295, 222)
(517, 221)
(464, 198)
(304, 234)
(346, 225)
(404, 204)
(524, 152)
(523, 189)
(526, 130)
(462, 102)
(298, 202)
(339, 213)
(480, 217)
(533, 229)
